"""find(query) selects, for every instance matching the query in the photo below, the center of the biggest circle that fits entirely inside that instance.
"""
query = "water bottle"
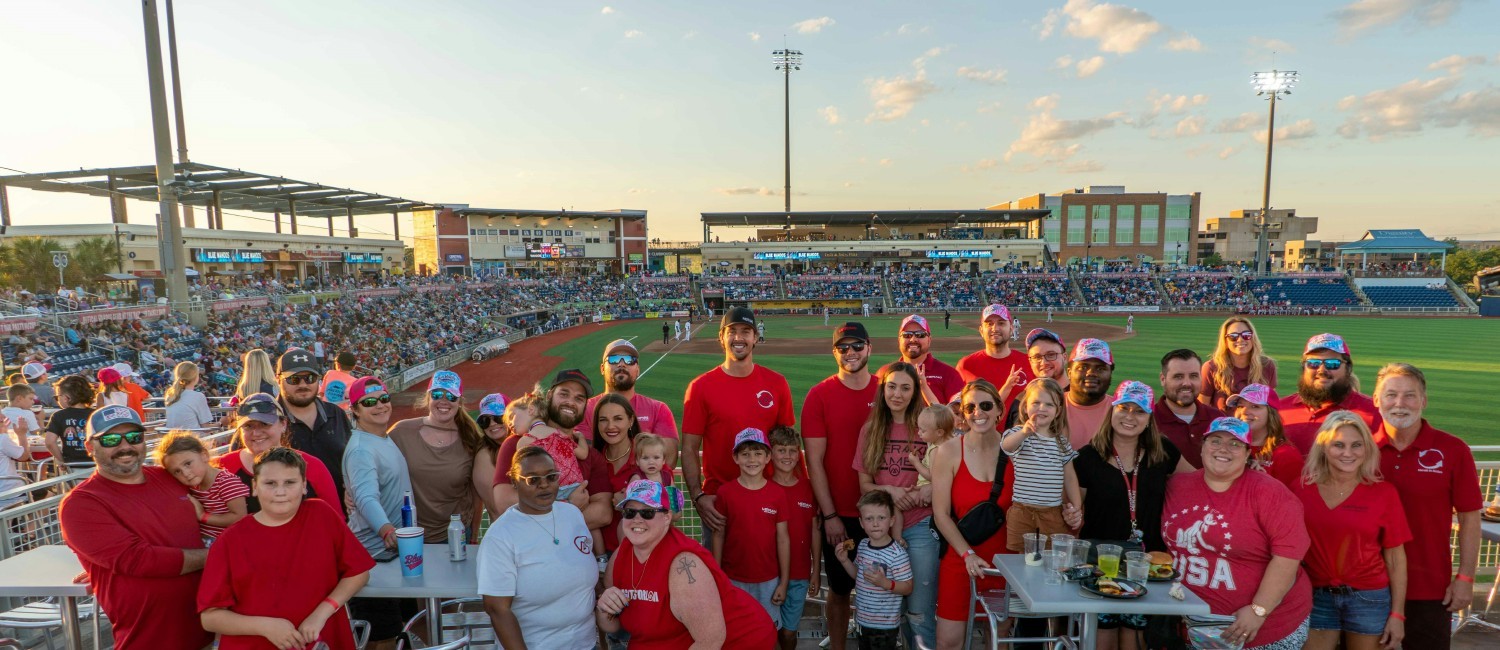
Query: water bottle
(408, 511)
(458, 551)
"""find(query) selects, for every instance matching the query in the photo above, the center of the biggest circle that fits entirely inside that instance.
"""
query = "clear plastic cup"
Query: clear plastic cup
(1081, 551)
(1109, 560)
(1137, 570)
(1062, 538)
(1054, 561)
(1136, 555)
(1035, 544)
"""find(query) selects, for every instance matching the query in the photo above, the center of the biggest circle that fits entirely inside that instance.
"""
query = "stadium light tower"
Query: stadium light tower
(786, 61)
(1270, 85)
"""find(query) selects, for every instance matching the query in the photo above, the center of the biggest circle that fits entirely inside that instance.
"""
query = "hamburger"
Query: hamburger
(1109, 587)
(1161, 564)
(1492, 511)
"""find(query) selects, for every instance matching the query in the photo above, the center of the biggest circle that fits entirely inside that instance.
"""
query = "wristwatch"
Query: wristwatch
(1259, 611)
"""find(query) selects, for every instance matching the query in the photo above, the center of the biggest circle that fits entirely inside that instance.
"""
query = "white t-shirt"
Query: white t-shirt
(9, 478)
(17, 414)
(556, 607)
(190, 411)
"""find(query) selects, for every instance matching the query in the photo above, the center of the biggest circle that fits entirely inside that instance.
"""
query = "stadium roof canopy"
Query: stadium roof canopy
(559, 214)
(226, 188)
(865, 217)
(1394, 241)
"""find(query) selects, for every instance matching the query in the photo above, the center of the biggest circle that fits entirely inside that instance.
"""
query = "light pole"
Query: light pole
(173, 254)
(1270, 85)
(786, 61)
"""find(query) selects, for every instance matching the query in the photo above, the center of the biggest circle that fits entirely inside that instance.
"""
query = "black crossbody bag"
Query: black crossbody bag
(985, 519)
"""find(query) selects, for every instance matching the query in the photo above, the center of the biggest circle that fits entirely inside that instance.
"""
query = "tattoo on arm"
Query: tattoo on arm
(685, 567)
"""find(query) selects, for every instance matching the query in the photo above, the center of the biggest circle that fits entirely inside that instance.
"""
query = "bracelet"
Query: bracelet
(700, 496)
(1398, 616)
(333, 603)
(830, 516)
(965, 555)
(1468, 579)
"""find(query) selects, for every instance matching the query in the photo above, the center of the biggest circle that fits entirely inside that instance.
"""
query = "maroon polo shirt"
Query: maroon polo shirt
(1435, 477)
(1187, 437)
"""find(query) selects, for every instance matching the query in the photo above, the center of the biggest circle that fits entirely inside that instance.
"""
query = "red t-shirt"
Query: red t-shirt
(649, 618)
(1435, 477)
(802, 508)
(751, 516)
(980, 365)
(319, 481)
(1187, 437)
(653, 415)
(943, 379)
(1084, 421)
(717, 406)
(1285, 465)
(618, 481)
(1301, 423)
(835, 413)
(1223, 541)
(1347, 540)
(130, 539)
(251, 572)
(895, 468)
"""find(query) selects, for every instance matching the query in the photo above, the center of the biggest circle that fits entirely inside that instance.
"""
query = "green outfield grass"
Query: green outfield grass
(1459, 355)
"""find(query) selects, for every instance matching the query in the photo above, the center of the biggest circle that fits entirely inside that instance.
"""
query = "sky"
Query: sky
(675, 108)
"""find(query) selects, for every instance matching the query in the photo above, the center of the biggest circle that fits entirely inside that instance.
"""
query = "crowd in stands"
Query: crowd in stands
(1127, 290)
(1207, 290)
(831, 287)
(677, 289)
(1030, 291)
(924, 288)
(1408, 269)
(743, 287)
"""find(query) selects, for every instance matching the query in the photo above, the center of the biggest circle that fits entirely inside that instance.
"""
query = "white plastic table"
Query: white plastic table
(1489, 531)
(1029, 583)
(47, 571)
(441, 578)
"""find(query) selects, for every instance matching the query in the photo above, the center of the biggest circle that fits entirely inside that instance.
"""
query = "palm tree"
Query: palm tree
(28, 262)
(92, 258)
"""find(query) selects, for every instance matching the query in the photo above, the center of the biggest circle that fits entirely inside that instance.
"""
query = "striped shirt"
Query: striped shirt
(225, 488)
(1039, 470)
(875, 607)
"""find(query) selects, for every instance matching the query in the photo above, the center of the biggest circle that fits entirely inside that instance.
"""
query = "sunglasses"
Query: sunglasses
(1329, 364)
(632, 513)
(300, 379)
(114, 439)
(914, 335)
(979, 406)
(371, 401)
(545, 479)
(442, 394)
(1239, 336)
(857, 346)
(627, 359)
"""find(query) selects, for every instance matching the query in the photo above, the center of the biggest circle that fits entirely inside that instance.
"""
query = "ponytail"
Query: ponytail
(182, 376)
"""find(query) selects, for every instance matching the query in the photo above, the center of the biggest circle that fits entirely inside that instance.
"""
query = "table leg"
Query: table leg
(1088, 636)
(434, 622)
(72, 636)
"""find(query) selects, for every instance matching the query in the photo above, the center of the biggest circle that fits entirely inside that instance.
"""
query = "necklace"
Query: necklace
(613, 459)
(551, 517)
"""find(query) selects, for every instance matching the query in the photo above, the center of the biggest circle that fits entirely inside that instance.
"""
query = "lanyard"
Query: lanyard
(1131, 480)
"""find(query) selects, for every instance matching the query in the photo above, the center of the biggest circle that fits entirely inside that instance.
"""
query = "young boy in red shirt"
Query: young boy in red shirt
(754, 546)
(802, 530)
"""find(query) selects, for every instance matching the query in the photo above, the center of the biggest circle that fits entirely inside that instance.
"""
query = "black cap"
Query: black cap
(851, 331)
(296, 360)
(572, 374)
(740, 315)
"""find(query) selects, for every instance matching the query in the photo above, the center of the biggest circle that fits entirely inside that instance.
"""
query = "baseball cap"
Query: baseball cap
(1326, 341)
(296, 360)
(125, 370)
(109, 417)
(996, 309)
(493, 404)
(915, 318)
(741, 315)
(1092, 349)
(107, 375)
(1041, 333)
(750, 435)
(1232, 426)
(851, 331)
(573, 374)
(1254, 394)
(652, 495)
(619, 344)
(1134, 392)
(446, 380)
(364, 386)
(33, 370)
(260, 407)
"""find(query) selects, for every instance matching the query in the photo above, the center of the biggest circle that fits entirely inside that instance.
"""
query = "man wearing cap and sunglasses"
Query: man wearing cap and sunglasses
(915, 347)
(620, 368)
(135, 532)
(1326, 384)
(315, 426)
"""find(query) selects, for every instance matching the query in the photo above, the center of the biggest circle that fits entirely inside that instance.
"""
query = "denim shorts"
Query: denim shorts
(762, 592)
(1360, 612)
(791, 608)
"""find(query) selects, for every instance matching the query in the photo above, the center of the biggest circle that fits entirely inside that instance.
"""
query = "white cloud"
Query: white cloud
(1365, 15)
(607, 10)
(1176, 104)
(812, 25)
(849, 184)
(886, 162)
(1412, 106)
(1045, 102)
(931, 53)
(1117, 29)
(746, 191)
(1241, 124)
(634, 33)
(1190, 126)
(1227, 152)
(1299, 130)
(1081, 167)
(1185, 43)
(909, 29)
(895, 97)
(690, 35)
(1052, 140)
(990, 107)
(1087, 67)
(755, 37)
(983, 164)
(1455, 64)
(994, 77)
(830, 114)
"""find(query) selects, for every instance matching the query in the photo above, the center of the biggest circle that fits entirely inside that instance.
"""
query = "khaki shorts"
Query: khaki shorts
(1022, 519)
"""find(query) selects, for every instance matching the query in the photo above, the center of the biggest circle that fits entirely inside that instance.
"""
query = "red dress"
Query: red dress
(649, 619)
(953, 577)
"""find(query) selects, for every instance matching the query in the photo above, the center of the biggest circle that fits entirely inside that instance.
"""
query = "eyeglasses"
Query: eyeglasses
(545, 479)
(979, 406)
(632, 513)
(857, 346)
(1048, 357)
(914, 335)
(1224, 443)
(627, 359)
(371, 401)
(114, 439)
(1329, 364)
(443, 395)
(1240, 336)
(300, 379)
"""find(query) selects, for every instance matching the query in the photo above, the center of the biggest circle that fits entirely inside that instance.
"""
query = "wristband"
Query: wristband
(332, 603)
(700, 496)
(204, 519)
(965, 555)
(1468, 579)
(830, 516)
(1398, 616)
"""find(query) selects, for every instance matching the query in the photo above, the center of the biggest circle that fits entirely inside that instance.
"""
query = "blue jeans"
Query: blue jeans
(1360, 612)
(921, 605)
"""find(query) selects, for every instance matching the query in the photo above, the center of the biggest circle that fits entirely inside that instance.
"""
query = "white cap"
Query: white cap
(33, 370)
(125, 370)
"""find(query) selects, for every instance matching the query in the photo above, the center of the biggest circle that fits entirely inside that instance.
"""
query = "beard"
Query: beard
(555, 414)
(121, 467)
(856, 366)
(619, 382)
(299, 402)
(1335, 393)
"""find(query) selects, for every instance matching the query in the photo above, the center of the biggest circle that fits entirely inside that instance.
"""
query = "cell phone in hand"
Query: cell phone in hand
(386, 556)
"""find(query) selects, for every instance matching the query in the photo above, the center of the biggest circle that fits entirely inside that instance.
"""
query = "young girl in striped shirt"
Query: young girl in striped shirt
(218, 496)
(1043, 460)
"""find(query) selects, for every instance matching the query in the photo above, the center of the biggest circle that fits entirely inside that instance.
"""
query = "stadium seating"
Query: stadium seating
(743, 287)
(924, 289)
(1206, 290)
(1124, 290)
(665, 288)
(1304, 292)
(1410, 297)
(833, 287)
(1030, 290)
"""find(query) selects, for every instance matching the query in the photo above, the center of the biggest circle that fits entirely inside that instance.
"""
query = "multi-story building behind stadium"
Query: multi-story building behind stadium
(1235, 237)
(460, 240)
(1106, 223)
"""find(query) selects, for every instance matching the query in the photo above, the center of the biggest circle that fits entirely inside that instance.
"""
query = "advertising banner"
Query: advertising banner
(803, 304)
(1121, 309)
(136, 313)
(429, 288)
(19, 324)
(239, 303)
(411, 374)
(376, 293)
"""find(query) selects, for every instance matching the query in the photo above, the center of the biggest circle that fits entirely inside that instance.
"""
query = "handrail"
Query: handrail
(70, 477)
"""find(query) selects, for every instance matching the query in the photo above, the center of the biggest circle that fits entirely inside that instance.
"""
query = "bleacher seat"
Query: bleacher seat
(1410, 297)
(1326, 292)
